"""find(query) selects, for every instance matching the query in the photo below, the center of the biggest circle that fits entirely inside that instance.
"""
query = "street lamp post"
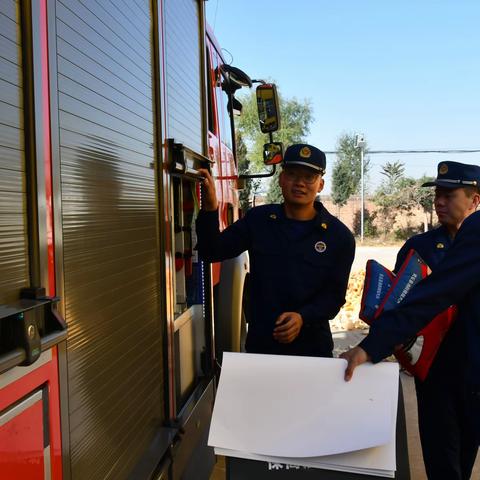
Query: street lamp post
(360, 143)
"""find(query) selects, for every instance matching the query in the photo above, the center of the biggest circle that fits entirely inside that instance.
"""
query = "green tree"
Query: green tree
(342, 188)
(274, 193)
(393, 199)
(398, 194)
(369, 227)
(296, 118)
(250, 185)
(394, 172)
(347, 169)
(424, 198)
(411, 195)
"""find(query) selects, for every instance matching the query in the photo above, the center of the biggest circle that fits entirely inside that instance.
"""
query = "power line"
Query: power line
(374, 152)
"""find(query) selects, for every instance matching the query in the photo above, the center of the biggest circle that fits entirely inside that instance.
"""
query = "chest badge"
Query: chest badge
(440, 245)
(324, 226)
(320, 247)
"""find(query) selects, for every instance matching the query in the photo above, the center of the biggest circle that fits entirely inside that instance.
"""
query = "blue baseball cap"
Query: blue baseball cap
(455, 175)
(305, 155)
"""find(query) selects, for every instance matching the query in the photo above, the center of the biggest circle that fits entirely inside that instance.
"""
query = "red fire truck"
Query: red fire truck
(107, 345)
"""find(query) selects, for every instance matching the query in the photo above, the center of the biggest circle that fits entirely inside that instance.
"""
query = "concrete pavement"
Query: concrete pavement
(385, 255)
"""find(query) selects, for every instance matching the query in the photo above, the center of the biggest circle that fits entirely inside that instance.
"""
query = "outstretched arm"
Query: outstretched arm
(213, 245)
(209, 194)
(454, 278)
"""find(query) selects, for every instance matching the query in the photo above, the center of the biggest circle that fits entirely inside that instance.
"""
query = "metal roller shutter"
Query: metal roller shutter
(111, 263)
(183, 73)
(14, 265)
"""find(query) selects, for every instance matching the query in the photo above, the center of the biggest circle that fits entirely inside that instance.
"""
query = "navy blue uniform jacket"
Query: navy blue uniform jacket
(431, 246)
(450, 359)
(455, 280)
(307, 274)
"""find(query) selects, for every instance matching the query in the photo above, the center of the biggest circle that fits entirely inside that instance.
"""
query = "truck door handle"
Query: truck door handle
(184, 162)
(27, 328)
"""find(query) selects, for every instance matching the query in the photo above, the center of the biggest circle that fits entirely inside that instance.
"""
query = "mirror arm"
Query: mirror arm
(260, 175)
(232, 125)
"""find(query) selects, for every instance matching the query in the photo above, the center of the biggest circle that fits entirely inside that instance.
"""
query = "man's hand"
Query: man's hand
(288, 326)
(209, 195)
(355, 357)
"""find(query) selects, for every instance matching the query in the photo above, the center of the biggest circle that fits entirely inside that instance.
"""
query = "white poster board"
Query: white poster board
(299, 410)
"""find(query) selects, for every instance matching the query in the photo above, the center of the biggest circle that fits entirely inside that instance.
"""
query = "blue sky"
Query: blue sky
(405, 73)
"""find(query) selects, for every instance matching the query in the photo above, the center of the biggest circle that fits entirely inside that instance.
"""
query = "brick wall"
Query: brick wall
(347, 213)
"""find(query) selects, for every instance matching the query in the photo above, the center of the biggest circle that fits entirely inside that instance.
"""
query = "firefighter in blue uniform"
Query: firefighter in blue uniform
(300, 258)
(448, 440)
(449, 399)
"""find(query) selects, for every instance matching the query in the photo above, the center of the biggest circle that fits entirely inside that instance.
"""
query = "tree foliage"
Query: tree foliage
(347, 169)
(369, 227)
(274, 194)
(401, 194)
(394, 172)
(425, 197)
(296, 118)
(250, 185)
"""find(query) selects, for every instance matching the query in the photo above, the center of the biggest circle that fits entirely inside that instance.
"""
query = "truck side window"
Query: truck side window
(223, 115)
(210, 107)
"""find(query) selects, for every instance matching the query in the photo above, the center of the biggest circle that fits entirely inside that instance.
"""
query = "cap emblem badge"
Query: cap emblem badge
(320, 247)
(273, 216)
(440, 245)
(443, 169)
(305, 152)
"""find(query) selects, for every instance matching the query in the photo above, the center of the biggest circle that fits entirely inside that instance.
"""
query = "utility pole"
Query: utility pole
(360, 143)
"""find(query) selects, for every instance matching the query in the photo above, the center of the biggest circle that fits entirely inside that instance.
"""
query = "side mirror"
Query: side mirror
(235, 77)
(267, 106)
(236, 106)
(272, 153)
